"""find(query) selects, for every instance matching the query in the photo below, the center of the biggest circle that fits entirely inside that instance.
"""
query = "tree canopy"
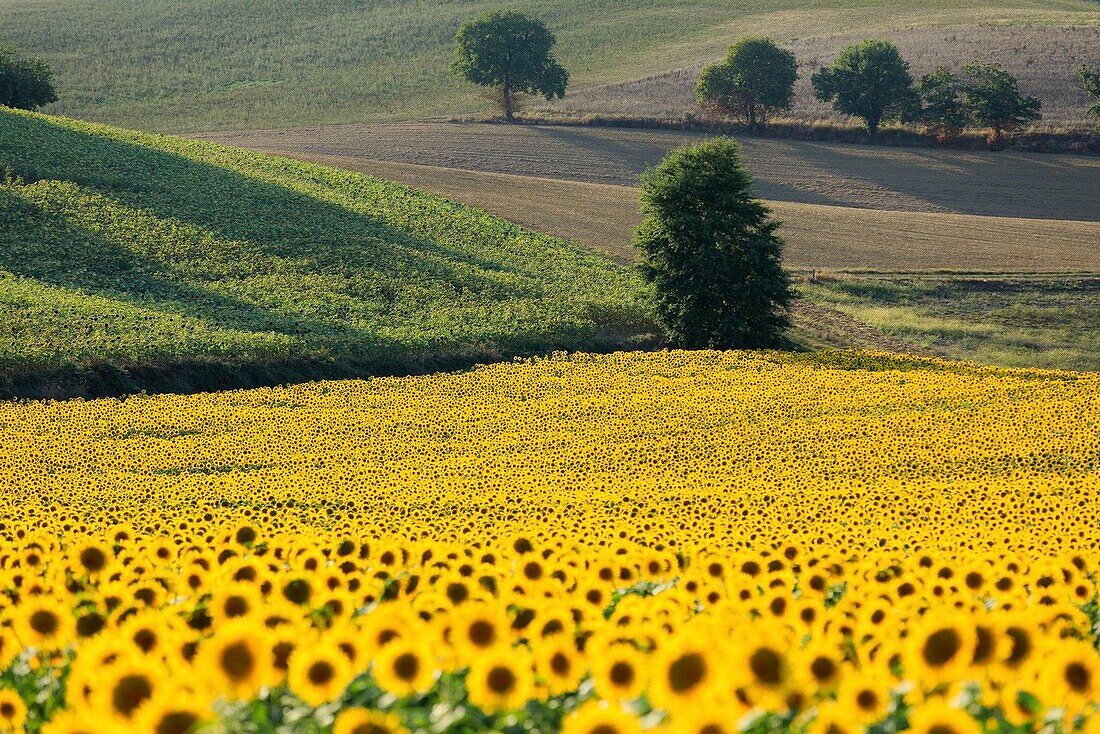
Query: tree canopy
(868, 80)
(711, 252)
(755, 79)
(942, 108)
(993, 96)
(1090, 82)
(512, 54)
(25, 82)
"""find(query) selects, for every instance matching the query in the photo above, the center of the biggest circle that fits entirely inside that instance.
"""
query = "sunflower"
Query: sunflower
(500, 679)
(45, 623)
(866, 695)
(233, 601)
(619, 672)
(833, 718)
(684, 671)
(600, 717)
(404, 668)
(319, 673)
(357, 720)
(13, 712)
(936, 716)
(941, 649)
(477, 628)
(172, 712)
(758, 664)
(72, 721)
(1071, 674)
(714, 717)
(237, 659)
(125, 686)
(92, 559)
(822, 664)
(559, 667)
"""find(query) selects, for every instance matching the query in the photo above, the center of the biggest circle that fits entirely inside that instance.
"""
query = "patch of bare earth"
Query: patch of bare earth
(819, 327)
(1006, 184)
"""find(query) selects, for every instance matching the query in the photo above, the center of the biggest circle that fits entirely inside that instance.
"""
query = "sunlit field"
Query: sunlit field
(675, 542)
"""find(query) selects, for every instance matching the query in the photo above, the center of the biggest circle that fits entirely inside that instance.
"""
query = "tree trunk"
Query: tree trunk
(506, 94)
(872, 125)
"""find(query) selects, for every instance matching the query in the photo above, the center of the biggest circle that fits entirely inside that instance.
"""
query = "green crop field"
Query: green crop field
(186, 65)
(131, 260)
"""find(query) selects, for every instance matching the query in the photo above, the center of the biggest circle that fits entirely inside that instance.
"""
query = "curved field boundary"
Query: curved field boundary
(1007, 184)
(818, 236)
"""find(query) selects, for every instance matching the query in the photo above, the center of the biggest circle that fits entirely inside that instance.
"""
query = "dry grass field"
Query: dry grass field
(1044, 58)
(1009, 184)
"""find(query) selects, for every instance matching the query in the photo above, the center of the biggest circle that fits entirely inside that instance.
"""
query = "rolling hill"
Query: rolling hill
(188, 65)
(137, 261)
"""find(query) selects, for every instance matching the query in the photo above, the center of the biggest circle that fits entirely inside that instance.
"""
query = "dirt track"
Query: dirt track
(1007, 184)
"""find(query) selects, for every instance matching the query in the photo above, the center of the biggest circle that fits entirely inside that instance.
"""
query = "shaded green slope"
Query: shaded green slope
(210, 64)
(132, 261)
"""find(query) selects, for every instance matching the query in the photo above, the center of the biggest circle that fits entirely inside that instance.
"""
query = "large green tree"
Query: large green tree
(25, 82)
(942, 110)
(1090, 82)
(511, 54)
(755, 79)
(993, 96)
(869, 80)
(711, 252)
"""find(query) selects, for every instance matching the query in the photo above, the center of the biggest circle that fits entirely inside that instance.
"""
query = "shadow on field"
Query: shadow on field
(239, 252)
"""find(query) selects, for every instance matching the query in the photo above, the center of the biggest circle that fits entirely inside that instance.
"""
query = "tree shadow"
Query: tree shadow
(349, 253)
(279, 221)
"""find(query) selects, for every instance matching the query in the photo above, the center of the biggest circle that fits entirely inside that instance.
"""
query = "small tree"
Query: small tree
(711, 251)
(942, 110)
(756, 78)
(868, 80)
(512, 54)
(1090, 82)
(25, 83)
(993, 96)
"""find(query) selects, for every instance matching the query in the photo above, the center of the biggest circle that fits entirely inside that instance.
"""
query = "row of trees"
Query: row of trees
(512, 54)
(869, 80)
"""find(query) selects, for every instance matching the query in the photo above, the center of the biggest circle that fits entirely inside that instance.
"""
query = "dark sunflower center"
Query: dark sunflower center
(622, 674)
(44, 622)
(941, 647)
(559, 663)
(767, 666)
(130, 692)
(823, 668)
(482, 633)
(1078, 677)
(93, 559)
(406, 666)
(237, 661)
(501, 680)
(176, 722)
(686, 672)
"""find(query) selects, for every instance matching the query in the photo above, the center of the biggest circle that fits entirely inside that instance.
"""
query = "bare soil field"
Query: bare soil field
(1045, 58)
(818, 236)
(1007, 184)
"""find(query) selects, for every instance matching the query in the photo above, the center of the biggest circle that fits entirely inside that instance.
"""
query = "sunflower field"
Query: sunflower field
(698, 542)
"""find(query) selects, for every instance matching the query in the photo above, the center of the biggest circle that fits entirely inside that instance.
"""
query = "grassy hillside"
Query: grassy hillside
(205, 64)
(132, 260)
